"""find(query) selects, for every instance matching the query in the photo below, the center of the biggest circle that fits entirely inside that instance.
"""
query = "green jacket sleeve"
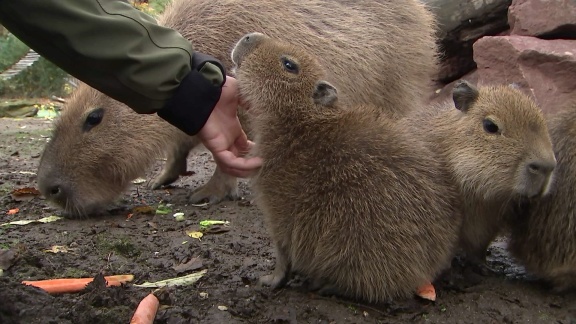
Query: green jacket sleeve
(123, 53)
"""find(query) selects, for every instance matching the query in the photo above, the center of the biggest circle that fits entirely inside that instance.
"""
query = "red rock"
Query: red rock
(543, 17)
(544, 69)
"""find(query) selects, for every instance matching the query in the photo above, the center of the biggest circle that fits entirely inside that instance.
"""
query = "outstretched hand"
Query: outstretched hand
(223, 135)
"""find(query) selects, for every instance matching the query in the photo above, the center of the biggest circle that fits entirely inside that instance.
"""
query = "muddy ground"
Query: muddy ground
(150, 246)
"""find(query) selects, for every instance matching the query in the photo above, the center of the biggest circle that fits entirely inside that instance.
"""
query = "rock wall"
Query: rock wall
(537, 51)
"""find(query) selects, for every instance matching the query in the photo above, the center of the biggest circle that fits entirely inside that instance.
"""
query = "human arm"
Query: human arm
(125, 54)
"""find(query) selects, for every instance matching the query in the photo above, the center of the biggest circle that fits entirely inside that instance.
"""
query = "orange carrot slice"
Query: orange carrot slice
(427, 291)
(70, 285)
(146, 310)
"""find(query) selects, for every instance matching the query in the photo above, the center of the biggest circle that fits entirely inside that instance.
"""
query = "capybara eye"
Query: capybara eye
(490, 126)
(93, 119)
(289, 65)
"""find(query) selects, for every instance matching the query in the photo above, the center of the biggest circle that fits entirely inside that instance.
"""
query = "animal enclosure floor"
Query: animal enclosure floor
(154, 247)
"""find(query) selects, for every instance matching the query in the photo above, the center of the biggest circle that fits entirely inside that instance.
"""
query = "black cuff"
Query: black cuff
(194, 99)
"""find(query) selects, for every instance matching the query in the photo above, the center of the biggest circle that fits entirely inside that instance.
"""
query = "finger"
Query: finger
(228, 160)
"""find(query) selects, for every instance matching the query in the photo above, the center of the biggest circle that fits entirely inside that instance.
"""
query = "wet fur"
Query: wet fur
(487, 168)
(352, 201)
(543, 238)
(381, 52)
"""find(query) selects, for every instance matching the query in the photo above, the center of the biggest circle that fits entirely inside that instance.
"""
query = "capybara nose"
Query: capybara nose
(54, 192)
(542, 167)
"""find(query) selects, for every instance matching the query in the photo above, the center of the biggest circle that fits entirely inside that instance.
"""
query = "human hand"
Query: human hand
(223, 135)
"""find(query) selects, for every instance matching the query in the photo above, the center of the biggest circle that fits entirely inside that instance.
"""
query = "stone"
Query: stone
(543, 69)
(543, 18)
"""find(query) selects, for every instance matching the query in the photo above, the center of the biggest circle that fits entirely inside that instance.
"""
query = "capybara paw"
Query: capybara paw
(273, 280)
(214, 195)
(161, 180)
(328, 290)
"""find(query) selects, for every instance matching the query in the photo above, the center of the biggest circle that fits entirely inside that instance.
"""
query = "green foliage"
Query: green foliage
(11, 50)
(159, 5)
(42, 79)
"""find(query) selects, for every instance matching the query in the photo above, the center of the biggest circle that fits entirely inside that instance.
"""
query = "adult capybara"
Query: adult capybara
(496, 143)
(544, 238)
(380, 52)
(352, 200)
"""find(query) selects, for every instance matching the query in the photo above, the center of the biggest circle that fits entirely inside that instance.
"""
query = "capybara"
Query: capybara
(543, 239)
(352, 201)
(380, 52)
(496, 143)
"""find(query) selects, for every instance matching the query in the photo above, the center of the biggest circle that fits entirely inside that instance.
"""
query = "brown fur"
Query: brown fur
(351, 200)
(544, 239)
(381, 52)
(491, 170)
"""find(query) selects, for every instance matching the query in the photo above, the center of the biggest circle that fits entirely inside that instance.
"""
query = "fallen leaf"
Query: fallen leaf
(192, 264)
(41, 220)
(143, 210)
(206, 223)
(13, 211)
(179, 281)
(194, 234)
(163, 209)
(24, 194)
(216, 229)
(199, 205)
(179, 217)
(153, 225)
(138, 181)
(7, 258)
(57, 249)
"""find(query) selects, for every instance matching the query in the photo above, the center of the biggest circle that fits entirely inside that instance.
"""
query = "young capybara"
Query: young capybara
(544, 238)
(496, 143)
(380, 52)
(352, 201)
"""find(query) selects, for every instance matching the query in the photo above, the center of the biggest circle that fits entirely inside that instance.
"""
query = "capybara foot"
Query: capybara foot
(214, 194)
(162, 180)
(221, 186)
(274, 280)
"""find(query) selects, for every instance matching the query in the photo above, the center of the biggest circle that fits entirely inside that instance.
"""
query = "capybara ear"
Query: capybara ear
(325, 94)
(464, 95)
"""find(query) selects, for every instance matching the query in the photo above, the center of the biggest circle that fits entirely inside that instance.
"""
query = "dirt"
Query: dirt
(151, 246)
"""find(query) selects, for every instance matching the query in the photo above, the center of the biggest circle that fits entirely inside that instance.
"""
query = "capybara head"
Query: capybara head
(503, 144)
(291, 69)
(97, 147)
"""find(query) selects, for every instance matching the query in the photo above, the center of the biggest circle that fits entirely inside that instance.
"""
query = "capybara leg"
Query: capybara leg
(280, 276)
(328, 290)
(220, 187)
(175, 166)
(563, 283)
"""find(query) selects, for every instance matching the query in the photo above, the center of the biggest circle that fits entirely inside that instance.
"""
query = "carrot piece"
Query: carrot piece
(70, 285)
(427, 291)
(146, 310)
